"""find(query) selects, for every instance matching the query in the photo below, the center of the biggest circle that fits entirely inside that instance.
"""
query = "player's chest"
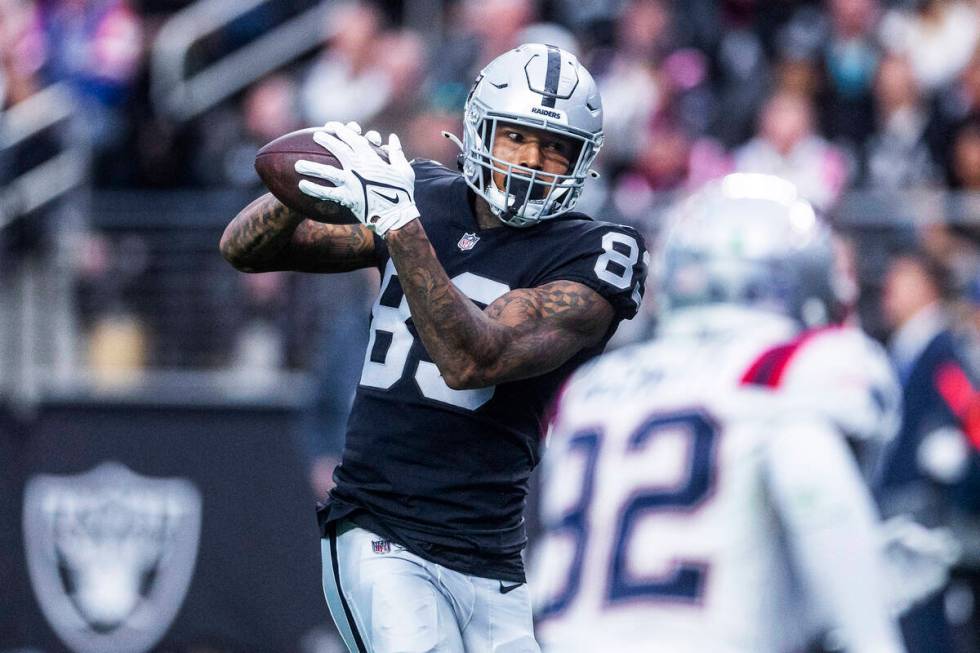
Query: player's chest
(495, 254)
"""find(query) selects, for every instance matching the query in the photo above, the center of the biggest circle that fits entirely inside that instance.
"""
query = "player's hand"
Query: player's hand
(916, 560)
(372, 135)
(380, 194)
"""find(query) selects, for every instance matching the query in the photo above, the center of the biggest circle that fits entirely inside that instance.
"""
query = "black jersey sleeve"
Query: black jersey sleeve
(610, 259)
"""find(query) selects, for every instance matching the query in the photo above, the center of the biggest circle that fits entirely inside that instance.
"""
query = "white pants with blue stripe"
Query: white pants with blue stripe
(385, 599)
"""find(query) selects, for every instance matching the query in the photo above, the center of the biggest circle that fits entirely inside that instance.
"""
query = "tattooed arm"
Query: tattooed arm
(524, 333)
(266, 235)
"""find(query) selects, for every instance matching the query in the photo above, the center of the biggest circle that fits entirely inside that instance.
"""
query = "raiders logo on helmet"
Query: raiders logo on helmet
(111, 554)
(551, 113)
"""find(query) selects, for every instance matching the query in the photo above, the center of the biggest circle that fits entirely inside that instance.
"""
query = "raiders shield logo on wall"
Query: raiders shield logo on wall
(111, 554)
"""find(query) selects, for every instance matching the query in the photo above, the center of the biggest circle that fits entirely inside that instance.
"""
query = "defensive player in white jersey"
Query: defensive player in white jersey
(699, 491)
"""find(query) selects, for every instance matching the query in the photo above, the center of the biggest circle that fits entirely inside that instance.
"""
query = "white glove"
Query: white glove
(379, 194)
(916, 561)
(373, 136)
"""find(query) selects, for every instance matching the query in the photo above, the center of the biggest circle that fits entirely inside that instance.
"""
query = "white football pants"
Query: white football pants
(385, 599)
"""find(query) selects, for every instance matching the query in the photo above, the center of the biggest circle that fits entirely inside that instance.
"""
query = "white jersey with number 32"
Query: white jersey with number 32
(698, 494)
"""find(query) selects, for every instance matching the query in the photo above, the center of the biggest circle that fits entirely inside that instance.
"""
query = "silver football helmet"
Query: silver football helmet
(538, 86)
(750, 240)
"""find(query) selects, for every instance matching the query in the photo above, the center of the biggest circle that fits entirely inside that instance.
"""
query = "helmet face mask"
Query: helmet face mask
(533, 87)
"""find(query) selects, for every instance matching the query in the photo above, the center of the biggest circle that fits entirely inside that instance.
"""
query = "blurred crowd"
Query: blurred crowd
(833, 94)
(879, 96)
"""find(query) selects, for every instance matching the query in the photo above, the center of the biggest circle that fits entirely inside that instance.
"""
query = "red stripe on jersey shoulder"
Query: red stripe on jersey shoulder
(962, 398)
(770, 367)
(552, 408)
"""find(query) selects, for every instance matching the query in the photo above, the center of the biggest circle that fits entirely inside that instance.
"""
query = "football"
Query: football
(275, 161)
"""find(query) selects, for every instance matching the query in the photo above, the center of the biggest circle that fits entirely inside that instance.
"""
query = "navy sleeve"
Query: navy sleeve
(610, 259)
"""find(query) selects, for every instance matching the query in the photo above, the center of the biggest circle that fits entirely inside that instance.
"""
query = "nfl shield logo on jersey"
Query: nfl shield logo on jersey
(111, 554)
(381, 546)
(467, 242)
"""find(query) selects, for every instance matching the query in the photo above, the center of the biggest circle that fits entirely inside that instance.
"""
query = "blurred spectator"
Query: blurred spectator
(365, 74)
(662, 161)
(965, 157)
(498, 23)
(954, 239)
(958, 103)
(740, 71)
(270, 109)
(938, 37)
(965, 207)
(795, 48)
(797, 75)
(230, 138)
(21, 51)
(850, 61)
(786, 145)
(971, 325)
(347, 81)
(657, 100)
(587, 17)
(897, 154)
(403, 59)
(628, 79)
(932, 469)
(479, 30)
(97, 47)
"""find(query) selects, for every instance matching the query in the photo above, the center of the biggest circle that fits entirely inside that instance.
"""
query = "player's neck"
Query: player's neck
(485, 219)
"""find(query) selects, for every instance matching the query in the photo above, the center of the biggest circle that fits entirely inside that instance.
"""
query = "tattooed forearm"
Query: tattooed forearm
(443, 316)
(549, 325)
(524, 333)
(266, 235)
(258, 234)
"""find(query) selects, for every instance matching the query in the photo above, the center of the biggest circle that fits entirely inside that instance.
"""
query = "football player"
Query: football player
(492, 291)
(699, 491)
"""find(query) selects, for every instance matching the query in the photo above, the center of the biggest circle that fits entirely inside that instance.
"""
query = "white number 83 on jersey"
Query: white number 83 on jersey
(390, 345)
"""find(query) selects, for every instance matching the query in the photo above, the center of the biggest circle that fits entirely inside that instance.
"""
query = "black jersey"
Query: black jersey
(444, 472)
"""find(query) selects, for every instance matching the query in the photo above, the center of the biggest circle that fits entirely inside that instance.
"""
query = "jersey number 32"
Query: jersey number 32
(684, 581)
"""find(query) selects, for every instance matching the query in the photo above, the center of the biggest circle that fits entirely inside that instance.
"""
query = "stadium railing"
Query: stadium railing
(181, 94)
(64, 171)
(44, 162)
